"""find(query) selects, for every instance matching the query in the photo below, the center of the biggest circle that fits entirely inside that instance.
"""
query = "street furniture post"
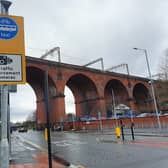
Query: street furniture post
(4, 146)
(13, 69)
(46, 95)
(132, 131)
(122, 130)
(4, 140)
(152, 87)
(118, 132)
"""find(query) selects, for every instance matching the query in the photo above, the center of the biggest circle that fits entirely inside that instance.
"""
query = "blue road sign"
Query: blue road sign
(8, 28)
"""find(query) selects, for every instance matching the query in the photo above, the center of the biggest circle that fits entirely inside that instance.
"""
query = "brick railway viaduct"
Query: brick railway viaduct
(92, 89)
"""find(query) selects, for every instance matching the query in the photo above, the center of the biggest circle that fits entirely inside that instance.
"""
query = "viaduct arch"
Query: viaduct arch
(92, 89)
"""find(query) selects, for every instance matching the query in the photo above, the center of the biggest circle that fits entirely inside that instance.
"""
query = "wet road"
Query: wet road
(94, 150)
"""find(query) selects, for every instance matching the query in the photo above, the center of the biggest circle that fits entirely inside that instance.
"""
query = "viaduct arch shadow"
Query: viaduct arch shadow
(35, 78)
(115, 93)
(85, 95)
(142, 98)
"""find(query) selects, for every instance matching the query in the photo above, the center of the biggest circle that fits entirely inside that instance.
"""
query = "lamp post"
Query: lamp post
(151, 82)
(113, 105)
(100, 121)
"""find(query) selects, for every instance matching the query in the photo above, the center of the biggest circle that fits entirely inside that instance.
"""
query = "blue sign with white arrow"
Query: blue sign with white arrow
(8, 28)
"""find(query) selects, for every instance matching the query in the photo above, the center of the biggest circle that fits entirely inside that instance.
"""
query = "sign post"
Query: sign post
(47, 131)
(12, 69)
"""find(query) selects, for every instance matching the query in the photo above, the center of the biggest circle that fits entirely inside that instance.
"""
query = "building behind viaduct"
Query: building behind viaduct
(92, 89)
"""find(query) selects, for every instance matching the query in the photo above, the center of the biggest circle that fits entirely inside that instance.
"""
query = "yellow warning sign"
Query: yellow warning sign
(12, 50)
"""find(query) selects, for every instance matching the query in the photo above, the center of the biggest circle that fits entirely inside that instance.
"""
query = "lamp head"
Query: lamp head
(5, 4)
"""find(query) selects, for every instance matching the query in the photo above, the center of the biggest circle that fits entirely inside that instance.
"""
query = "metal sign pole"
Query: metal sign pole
(4, 6)
(4, 127)
(46, 94)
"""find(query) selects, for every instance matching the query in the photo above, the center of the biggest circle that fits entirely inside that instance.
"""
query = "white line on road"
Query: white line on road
(65, 143)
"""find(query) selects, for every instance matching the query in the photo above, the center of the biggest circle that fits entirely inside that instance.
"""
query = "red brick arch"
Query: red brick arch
(115, 93)
(142, 97)
(85, 94)
(35, 77)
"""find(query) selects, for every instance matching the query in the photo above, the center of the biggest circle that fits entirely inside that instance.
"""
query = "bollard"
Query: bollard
(122, 130)
(46, 135)
(118, 132)
(132, 131)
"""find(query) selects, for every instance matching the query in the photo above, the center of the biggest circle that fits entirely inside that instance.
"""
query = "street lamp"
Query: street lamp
(151, 82)
(113, 105)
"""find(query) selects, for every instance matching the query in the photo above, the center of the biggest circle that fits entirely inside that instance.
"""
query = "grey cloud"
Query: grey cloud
(89, 29)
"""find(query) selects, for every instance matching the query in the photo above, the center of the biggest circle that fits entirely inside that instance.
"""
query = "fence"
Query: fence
(139, 122)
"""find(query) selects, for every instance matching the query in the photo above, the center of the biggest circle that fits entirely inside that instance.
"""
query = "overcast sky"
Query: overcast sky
(88, 29)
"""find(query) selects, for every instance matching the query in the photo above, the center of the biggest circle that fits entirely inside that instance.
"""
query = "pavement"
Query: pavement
(40, 160)
(25, 154)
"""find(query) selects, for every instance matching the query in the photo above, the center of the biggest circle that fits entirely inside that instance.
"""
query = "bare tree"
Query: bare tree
(162, 83)
(163, 67)
(31, 116)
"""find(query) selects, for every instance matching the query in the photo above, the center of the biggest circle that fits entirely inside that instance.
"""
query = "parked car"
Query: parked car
(125, 114)
(57, 128)
(145, 115)
(22, 129)
(102, 118)
(164, 113)
(87, 118)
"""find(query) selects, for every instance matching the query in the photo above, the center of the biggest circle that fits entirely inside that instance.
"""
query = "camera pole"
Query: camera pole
(4, 153)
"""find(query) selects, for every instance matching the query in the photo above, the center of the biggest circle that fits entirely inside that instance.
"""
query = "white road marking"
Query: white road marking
(21, 145)
(29, 148)
(76, 166)
(65, 143)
